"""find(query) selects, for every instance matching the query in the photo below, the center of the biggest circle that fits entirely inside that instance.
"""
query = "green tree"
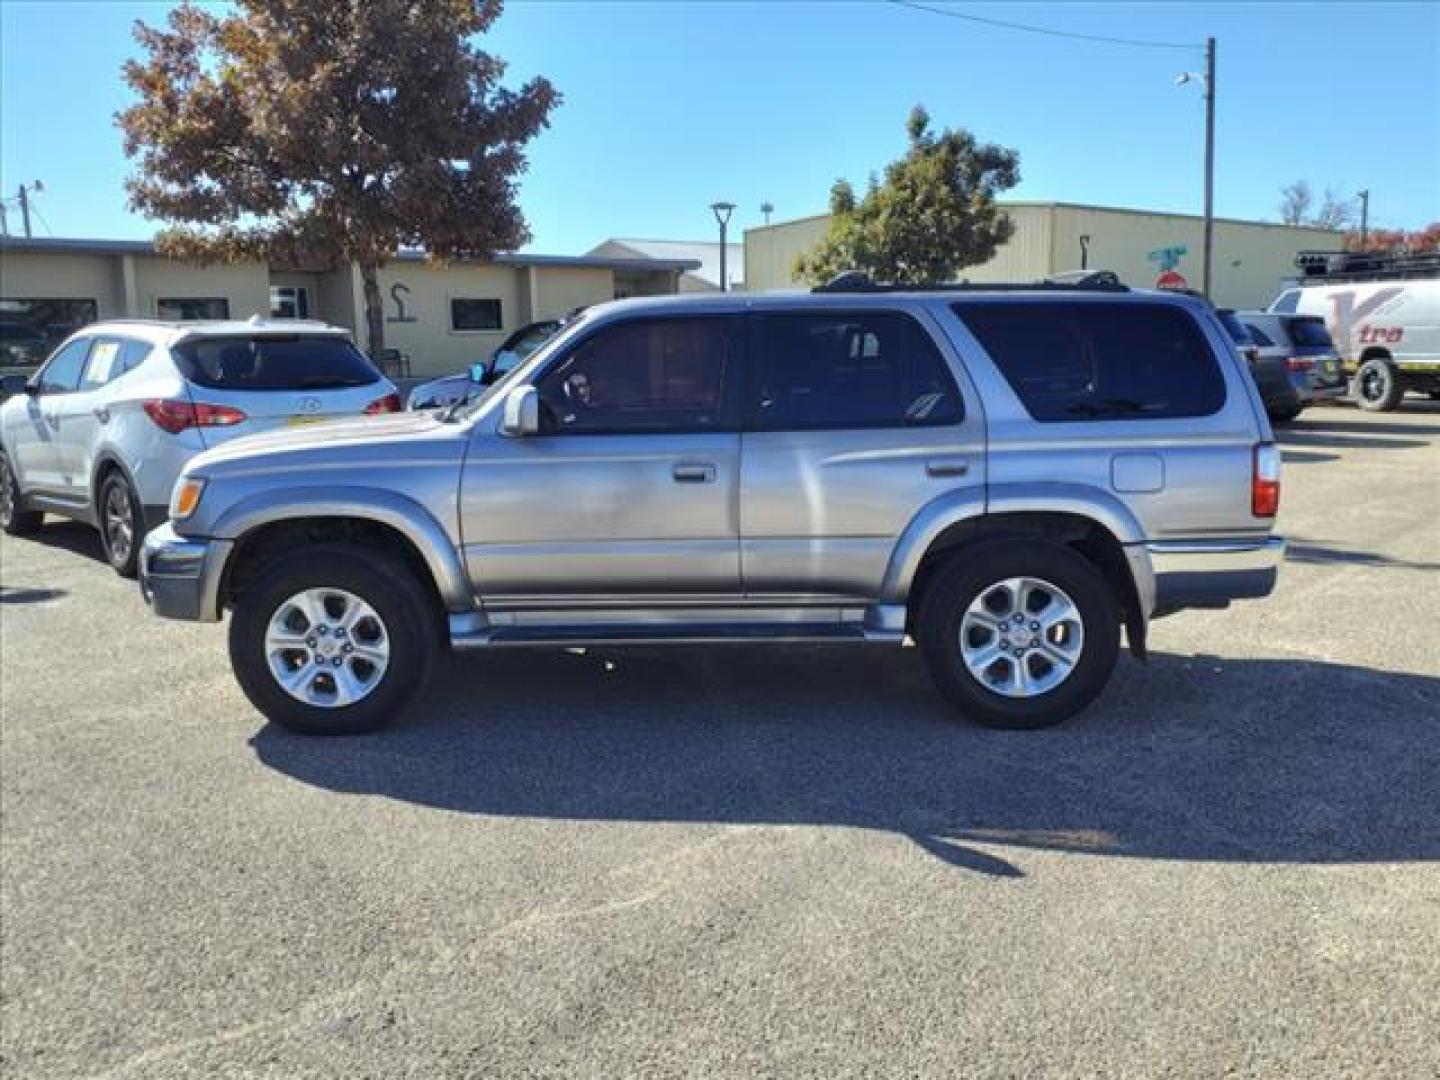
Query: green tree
(933, 215)
(296, 130)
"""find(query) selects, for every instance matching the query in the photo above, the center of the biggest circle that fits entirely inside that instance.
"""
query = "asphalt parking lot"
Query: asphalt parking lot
(747, 860)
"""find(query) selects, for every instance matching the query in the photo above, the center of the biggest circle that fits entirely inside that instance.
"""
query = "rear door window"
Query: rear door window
(1089, 361)
(274, 362)
(867, 369)
(1287, 301)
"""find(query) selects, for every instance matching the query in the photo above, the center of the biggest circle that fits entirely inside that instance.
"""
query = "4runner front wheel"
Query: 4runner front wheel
(1019, 633)
(326, 642)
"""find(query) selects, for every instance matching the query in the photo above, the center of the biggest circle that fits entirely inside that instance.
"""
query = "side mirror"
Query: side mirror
(522, 412)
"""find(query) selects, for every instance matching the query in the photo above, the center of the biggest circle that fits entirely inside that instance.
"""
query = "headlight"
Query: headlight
(186, 497)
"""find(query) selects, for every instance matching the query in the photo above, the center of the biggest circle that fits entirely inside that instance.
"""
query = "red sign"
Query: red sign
(1171, 279)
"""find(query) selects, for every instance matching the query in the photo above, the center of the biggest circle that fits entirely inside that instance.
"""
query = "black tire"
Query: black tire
(15, 519)
(122, 523)
(975, 571)
(406, 611)
(1378, 387)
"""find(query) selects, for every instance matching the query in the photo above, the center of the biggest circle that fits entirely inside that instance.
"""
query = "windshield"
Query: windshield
(469, 407)
(274, 362)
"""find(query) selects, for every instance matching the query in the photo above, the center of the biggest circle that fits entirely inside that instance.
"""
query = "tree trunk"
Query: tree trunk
(374, 311)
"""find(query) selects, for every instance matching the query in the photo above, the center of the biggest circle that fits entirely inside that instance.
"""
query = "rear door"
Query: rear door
(261, 382)
(854, 422)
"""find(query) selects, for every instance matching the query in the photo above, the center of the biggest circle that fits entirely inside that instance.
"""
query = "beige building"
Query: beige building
(705, 278)
(440, 318)
(1251, 257)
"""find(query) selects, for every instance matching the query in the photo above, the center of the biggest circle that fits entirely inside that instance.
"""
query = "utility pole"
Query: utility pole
(1364, 216)
(25, 210)
(1209, 164)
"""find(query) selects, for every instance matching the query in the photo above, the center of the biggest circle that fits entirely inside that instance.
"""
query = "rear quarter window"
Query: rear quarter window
(1091, 361)
(1309, 333)
(271, 362)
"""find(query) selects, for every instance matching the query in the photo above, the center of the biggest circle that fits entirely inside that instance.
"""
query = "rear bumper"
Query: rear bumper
(1212, 573)
(180, 576)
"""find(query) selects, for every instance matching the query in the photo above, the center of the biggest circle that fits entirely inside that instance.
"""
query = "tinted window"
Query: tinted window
(1287, 301)
(475, 315)
(836, 370)
(1076, 361)
(270, 362)
(31, 329)
(1309, 333)
(647, 375)
(62, 374)
(106, 363)
(189, 309)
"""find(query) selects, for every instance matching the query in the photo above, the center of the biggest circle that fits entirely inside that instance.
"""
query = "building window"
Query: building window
(31, 329)
(289, 302)
(188, 309)
(472, 315)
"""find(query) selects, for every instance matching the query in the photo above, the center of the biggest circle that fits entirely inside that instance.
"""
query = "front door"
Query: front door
(854, 422)
(630, 490)
(79, 416)
(37, 458)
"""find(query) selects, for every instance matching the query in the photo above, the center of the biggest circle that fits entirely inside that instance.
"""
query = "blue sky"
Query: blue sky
(671, 106)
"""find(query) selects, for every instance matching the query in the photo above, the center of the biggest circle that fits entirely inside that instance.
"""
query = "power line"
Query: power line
(36, 211)
(1042, 29)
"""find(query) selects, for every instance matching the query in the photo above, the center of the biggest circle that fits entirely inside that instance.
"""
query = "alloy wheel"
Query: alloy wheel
(1021, 637)
(327, 647)
(119, 514)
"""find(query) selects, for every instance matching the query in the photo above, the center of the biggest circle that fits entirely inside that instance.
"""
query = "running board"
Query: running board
(476, 637)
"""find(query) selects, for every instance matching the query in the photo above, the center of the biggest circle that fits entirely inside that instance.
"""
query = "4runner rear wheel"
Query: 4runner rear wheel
(1377, 385)
(1019, 633)
(332, 640)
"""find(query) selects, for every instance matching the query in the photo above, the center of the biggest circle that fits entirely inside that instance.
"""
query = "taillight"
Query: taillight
(1300, 363)
(1265, 481)
(388, 403)
(175, 416)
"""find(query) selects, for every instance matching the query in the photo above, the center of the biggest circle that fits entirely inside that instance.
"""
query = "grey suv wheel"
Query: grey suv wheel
(332, 639)
(121, 523)
(15, 519)
(1019, 633)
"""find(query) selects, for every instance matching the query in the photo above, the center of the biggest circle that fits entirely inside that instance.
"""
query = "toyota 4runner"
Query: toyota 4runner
(1006, 477)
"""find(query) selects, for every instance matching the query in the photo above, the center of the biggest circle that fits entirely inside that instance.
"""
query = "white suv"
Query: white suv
(105, 426)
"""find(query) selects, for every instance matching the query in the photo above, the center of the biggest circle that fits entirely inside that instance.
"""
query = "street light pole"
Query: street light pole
(1209, 163)
(1364, 197)
(722, 212)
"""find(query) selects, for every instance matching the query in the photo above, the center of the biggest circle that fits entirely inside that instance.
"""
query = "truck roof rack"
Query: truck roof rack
(1317, 266)
(857, 281)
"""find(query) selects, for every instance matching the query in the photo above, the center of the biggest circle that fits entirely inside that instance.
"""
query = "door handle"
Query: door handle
(946, 467)
(687, 473)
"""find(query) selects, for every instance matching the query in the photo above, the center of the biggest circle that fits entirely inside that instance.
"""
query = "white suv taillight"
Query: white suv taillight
(1265, 481)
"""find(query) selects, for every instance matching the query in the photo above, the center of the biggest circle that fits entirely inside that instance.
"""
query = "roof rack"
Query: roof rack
(1365, 265)
(857, 281)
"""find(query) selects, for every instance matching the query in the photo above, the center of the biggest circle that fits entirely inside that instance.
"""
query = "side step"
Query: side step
(662, 634)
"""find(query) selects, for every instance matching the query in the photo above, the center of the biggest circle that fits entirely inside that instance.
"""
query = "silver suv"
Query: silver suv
(1006, 477)
(101, 432)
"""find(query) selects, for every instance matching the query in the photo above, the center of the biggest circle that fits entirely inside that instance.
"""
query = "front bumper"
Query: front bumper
(1212, 573)
(180, 575)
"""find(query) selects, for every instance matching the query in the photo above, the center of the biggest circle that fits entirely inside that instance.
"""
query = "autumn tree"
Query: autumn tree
(933, 215)
(304, 131)
(1399, 241)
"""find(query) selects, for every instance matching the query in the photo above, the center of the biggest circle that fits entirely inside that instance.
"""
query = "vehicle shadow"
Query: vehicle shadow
(1305, 457)
(10, 595)
(1297, 550)
(1189, 758)
(1360, 427)
(71, 536)
(1320, 437)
